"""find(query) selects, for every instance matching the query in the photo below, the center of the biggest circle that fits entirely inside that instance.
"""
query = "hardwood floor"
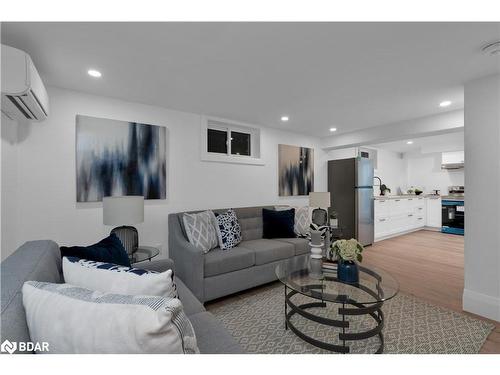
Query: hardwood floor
(430, 266)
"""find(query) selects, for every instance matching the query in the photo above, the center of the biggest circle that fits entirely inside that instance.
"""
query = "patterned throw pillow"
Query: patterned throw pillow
(200, 230)
(228, 229)
(108, 277)
(302, 221)
(78, 320)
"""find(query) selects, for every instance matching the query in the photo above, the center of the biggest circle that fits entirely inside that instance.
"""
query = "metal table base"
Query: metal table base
(374, 310)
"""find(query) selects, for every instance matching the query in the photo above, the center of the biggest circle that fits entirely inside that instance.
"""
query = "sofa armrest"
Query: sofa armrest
(189, 261)
(160, 265)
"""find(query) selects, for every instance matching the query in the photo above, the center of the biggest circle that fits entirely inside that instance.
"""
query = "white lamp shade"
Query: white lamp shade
(124, 210)
(320, 199)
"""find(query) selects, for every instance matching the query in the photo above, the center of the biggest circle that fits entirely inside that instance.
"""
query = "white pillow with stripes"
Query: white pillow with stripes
(78, 320)
(112, 278)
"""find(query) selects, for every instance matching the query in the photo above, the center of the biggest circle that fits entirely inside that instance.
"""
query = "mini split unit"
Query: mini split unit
(23, 94)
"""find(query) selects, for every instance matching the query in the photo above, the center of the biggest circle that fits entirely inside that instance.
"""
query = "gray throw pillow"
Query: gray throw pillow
(200, 230)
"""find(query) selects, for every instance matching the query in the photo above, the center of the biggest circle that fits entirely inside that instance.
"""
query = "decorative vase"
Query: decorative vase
(316, 237)
(348, 271)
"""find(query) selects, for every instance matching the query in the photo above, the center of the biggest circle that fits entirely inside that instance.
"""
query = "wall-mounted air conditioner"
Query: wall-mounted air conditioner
(452, 160)
(23, 94)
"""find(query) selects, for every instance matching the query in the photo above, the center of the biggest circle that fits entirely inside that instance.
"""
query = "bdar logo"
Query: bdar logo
(8, 347)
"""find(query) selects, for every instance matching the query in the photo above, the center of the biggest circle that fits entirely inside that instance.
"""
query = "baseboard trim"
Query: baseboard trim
(398, 234)
(481, 304)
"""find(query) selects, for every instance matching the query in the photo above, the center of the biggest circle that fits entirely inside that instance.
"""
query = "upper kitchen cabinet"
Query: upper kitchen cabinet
(452, 160)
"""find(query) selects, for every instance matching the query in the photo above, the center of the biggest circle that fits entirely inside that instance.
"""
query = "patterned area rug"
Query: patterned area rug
(256, 319)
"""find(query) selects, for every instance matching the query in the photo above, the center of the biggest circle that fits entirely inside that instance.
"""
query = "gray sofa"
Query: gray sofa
(222, 272)
(41, 261)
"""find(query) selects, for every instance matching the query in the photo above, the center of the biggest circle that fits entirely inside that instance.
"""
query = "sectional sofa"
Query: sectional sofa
(222, 272)
(41, 261)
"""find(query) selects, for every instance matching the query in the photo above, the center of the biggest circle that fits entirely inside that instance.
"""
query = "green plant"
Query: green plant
(349, 250)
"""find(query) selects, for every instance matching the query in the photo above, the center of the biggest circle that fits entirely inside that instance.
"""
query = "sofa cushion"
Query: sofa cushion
(267, 251)
(301, 244)
(220, 261)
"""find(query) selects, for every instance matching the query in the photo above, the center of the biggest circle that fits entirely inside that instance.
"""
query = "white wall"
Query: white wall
(391, 167)
(482, 180)
(45, 192)
(424, 172)
(9, 140)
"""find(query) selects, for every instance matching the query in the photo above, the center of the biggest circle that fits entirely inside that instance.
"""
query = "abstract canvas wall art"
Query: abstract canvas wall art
(119, 158)
(295, 170)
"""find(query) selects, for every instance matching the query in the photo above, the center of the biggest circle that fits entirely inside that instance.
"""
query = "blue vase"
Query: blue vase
(348, 271)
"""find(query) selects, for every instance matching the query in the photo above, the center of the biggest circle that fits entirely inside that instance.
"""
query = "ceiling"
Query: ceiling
(436, 143)
(344, 75)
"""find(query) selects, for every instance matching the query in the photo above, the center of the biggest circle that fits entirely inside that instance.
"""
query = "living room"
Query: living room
(212, 158)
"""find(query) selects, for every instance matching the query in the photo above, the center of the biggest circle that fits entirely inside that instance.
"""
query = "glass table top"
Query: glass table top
(306, 276)
(144, 253)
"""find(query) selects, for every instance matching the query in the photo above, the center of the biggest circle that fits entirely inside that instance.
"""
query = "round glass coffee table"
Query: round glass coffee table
(320, 286)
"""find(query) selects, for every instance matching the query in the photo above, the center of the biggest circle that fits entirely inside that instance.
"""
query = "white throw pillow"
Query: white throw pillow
(77, 320)
(108, 277)
(200, 230)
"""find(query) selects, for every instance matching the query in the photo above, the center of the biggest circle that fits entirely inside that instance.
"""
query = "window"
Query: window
(217, 141)
(231, 142)
(240, 143)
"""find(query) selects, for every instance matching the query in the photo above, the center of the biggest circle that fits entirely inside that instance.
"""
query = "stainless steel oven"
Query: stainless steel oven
(453, 216)
(453, 211)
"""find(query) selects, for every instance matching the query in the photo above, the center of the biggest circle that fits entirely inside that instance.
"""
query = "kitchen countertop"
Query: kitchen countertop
(448, 197)
(378, 197)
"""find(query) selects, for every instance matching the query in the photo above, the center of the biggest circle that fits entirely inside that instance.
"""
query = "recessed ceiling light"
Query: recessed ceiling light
(446, 103)
(409, 142)
(94, 73)
(284, 118)
(333, 129)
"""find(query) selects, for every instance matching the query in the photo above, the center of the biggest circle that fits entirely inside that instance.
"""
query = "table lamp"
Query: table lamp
(320, 200)
(124, 211)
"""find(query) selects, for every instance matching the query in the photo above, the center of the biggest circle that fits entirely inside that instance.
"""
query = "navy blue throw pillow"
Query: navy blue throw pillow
(108, 250)
(278, 224)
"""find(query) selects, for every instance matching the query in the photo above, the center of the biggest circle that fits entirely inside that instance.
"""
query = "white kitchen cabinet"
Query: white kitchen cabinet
(433, 212)
(454, 157)
(399, 215)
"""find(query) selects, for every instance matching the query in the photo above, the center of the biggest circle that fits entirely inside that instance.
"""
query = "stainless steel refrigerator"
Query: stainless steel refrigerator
(350, 183)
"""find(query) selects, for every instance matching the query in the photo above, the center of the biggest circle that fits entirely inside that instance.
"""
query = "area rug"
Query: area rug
(256, 319)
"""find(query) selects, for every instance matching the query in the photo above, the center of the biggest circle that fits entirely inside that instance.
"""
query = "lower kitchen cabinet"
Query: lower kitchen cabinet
(398, 215)
(434, 218)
